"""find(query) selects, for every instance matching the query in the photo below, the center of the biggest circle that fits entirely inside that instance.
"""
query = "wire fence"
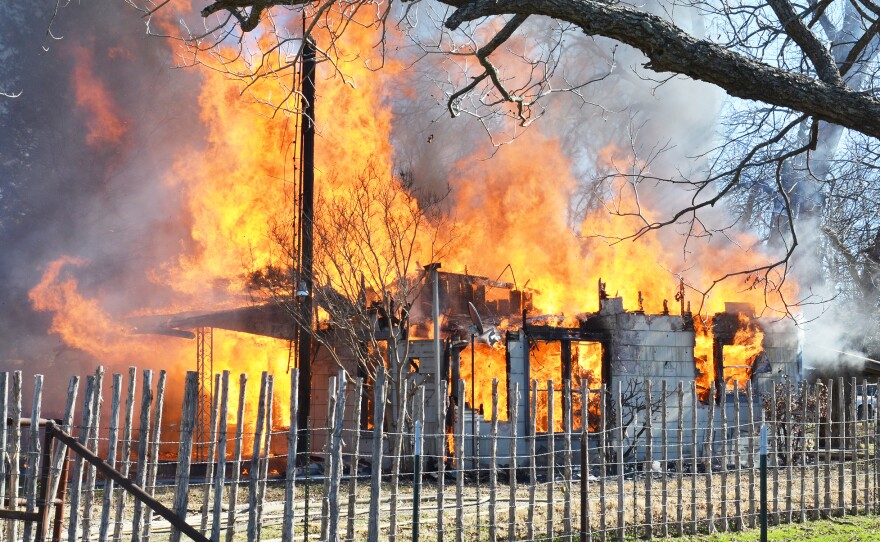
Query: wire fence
(658, 463)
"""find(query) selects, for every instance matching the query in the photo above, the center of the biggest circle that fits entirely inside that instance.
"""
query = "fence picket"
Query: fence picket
(125, 457)
(866, 445)
(817, 428)
(153, 458)
(566, 459)
(263, 476)
(143, 442)
(4, 436)
(74, 521)
(441, 398)
(737, 464)
(513, 402)
(335, 471)
(724, 451)
(331, 419)
(621, 514)
(184, 450)
(376, 475)
(841, 445)
(533, 467)
(493, 464)
(92, 443)
(208, 485)
(710, 438)
(664, 462)
(236, 458)
(586, 524)
(649, 463)
(828, 437)
(789, 450)
(253, 528)
(396, 453)
(33, 457)
(459, 465)
(115, 398)
(220, 476)
(679, 469)
(854, 444)
(752, 449)
(551, 459)
(776, 451)
(694, 457)
(355, 457)
(805, 389)
(603, 466)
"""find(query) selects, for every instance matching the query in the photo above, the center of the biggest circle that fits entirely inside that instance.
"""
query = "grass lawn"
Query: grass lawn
(851, 528)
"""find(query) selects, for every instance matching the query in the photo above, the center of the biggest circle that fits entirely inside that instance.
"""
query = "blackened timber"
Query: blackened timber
(306, 237)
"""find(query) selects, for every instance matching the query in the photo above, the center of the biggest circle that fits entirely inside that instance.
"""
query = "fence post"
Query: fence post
(829, 432)
(459, 465)
(679, 471)
(751, 460)
(353, 466)
(737, 463)
(841, 476)
(442, 396)
(396, 452)
(513, 396)
(4, 432)
(208, 486)
(533, 467)
(649, 463)
(694, 456)
(789, 451)
(603, 466)
(376, 475)
(551, 458)
(854, 442)
(253, 528)
(78, 463)
(417, 479)
(621, 514)
(725, 524)
(710, 438)
(586, 531)
(184, 451)
(111, 455)
(220, 476)
(336, 456)
(125, 458)
(143, 442)
(153, 465)
(236, 458)
(33, 457)
(493, 464)
(290, 471)
(566, 458)
(664, 461)
(92, 444)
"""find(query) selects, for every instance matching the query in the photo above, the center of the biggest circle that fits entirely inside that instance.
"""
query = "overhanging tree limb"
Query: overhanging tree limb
(670, 49)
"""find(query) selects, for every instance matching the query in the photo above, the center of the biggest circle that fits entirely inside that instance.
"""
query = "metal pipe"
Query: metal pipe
(763, 483)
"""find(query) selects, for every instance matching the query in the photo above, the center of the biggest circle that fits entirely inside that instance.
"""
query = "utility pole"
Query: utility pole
(306, 239)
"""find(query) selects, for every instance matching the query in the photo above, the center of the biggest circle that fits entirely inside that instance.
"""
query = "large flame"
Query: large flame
(512, 210)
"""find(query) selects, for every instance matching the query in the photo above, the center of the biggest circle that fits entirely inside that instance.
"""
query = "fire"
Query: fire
(739, 357)
(105, 123)
(514, 210)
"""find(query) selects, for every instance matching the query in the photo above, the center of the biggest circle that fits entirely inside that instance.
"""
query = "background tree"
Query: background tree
(372, 239)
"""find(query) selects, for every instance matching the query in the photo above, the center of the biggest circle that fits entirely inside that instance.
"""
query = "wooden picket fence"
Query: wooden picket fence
(676, 471)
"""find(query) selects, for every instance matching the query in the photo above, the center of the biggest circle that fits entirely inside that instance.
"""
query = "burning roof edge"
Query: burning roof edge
(268, 320)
